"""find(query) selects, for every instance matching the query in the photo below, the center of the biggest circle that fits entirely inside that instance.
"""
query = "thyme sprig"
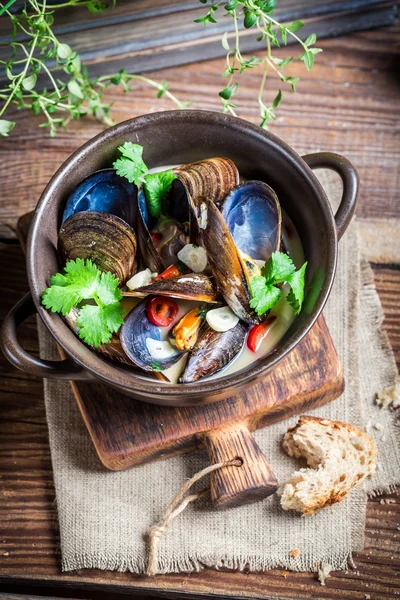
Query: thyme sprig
(257, 15)
(63, 100)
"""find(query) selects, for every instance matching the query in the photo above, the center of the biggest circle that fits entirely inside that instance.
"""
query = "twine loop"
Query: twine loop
(177, 505)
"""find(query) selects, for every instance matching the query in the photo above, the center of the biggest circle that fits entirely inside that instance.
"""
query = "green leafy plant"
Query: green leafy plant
(63, 100)
(156, 185)
(257, 15)
(266, 289)
(83, 281)
(35, 51)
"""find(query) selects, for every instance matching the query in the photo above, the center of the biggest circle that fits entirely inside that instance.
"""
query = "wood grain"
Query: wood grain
(155, 36)
(350, 105)
(351, 97)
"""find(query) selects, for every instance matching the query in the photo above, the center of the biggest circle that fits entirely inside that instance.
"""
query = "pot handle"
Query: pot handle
(349, 177)
(61, 369)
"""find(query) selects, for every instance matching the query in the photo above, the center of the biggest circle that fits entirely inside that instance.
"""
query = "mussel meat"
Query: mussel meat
(253, 215)
(189, 286)
(104, 191)
(141, 341)
(184, 335)
(213, 351)
(101, 237)
(160, 240)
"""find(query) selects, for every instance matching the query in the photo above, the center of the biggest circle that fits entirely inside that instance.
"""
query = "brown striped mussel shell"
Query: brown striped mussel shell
(103, 238)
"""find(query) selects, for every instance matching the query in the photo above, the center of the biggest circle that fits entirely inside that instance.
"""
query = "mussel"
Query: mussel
(212, 177)
(104, 191)
(141, 341)
(101, 237)
(253, 215)
(226, 264)
(189, 286)
(159, 242)
(113, 350)
(213, 351)
(247, 229)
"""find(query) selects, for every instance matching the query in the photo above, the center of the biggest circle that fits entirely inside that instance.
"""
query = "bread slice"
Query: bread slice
(338, 455)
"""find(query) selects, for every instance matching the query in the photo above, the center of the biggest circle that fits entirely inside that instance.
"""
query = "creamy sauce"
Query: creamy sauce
(282, 310)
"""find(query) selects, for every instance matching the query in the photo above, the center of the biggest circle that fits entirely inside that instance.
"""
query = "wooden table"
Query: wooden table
(349, 103)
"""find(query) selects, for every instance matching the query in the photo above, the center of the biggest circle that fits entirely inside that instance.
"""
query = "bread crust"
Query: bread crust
(357, 446)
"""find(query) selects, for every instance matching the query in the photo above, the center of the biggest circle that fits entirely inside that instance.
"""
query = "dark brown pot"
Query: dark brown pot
(172, 138)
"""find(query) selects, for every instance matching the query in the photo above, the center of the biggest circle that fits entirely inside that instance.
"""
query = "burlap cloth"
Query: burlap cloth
(105, 516)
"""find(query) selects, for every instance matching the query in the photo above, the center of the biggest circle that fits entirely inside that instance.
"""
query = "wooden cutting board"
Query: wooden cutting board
(127, 433)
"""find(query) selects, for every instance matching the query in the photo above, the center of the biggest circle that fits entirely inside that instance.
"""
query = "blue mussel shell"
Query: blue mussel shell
(104, 191)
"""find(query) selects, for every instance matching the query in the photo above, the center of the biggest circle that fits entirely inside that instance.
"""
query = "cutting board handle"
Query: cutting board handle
(237, 485)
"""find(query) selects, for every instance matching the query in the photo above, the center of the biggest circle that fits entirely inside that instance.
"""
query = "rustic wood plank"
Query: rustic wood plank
(351, 94)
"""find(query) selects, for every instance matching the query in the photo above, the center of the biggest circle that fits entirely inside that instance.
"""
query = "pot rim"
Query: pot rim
(121, 378)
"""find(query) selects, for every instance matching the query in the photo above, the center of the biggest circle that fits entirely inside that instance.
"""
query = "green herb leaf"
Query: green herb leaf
(276, 271)
(82, 280)
(64, 51)
(229, 91)
(277, 100)
(295, 26)
(6, 127)
(265, 295)
(278, 268)
(156, 187)
(131, 164)
(311, 40)
(296, 295)
(97, 324)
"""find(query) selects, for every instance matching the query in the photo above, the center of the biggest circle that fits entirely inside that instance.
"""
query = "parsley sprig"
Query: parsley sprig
(156, 185)
(81, 281)
(266, 288)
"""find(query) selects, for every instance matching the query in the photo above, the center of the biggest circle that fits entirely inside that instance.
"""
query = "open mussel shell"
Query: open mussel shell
(103, 238)
(213, 351)
(212, 177)
(111, 351)
(104, 191)
(134, 334)
(190, 286)
(226, 264)
(253, 215)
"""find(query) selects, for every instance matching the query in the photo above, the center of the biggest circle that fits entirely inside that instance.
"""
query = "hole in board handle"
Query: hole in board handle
(238, 461)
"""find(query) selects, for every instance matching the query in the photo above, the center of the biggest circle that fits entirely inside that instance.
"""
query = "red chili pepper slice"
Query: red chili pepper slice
(161, 311)
(172, 271)
(258, 333)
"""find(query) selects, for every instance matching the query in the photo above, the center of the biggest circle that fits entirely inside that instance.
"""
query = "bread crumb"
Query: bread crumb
(6, 554)
(390, 396)
(379, 426)
(294, 553)
(367, 596)
(323, 573)
(285, 574)
(368, 427)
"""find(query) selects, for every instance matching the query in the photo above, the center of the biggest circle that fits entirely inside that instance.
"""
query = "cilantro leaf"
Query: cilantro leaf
(82, 280)
(265, 295)
(278, 268)
(131, 164)
(97, 324)
(156, 187)
(265, 289)
(107, 289)
(296, 295)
